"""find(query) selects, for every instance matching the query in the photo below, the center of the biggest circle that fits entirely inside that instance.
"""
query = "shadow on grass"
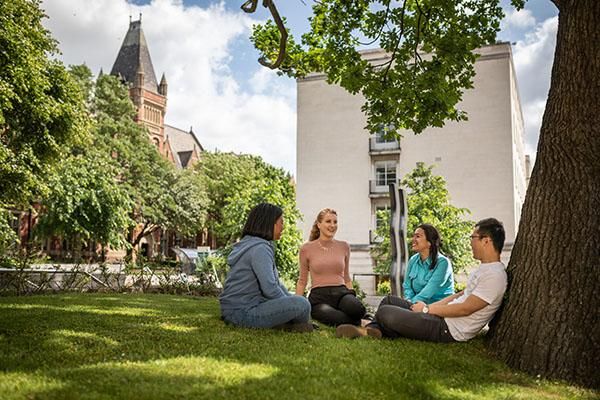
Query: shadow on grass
(159, 346)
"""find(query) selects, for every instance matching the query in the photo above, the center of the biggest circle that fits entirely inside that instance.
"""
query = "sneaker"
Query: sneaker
(374, 332)
(350, 331)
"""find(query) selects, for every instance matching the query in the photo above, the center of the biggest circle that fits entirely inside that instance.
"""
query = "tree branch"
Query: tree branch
(383, 24)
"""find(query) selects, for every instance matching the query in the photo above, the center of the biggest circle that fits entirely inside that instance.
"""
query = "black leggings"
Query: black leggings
(336, 305)
(395, 319)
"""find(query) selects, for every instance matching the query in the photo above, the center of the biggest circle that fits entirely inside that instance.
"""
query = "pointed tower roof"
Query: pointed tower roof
(134, 56)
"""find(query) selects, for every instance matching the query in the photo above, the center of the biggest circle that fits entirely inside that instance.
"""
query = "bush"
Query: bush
(384, 288)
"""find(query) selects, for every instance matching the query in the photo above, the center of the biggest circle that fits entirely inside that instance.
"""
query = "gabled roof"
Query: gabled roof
(134, 55)
(183, 144)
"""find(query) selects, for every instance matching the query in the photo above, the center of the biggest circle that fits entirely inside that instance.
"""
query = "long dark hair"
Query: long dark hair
(433, 237)
(261, 221)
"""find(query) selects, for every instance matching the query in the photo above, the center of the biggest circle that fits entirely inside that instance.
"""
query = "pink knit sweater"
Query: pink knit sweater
(327, 267)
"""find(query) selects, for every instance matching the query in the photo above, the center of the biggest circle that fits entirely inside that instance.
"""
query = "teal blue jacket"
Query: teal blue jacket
(428, 286)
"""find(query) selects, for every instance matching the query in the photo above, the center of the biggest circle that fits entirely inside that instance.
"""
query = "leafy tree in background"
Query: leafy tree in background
(548, 324)
(86, 203)
(41, 110)
(235, 184)
(117, 188)
(163, 198)
(428, 202)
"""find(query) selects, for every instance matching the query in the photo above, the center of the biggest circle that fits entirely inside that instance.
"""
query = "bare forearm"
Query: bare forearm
(449, 310)
(448, 299)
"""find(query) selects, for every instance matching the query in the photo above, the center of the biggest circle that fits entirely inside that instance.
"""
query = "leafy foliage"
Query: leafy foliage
(41, 110)
(8, 238)
(118, 181)
(428, 202)
(430, 45)
(235, 184)
(86, 202)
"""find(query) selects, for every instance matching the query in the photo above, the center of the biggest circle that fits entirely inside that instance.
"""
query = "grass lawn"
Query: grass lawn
(123, 346)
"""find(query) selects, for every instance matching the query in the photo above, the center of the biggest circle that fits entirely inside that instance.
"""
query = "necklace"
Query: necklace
(324, 248)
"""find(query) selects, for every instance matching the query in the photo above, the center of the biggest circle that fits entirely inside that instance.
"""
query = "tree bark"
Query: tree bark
(550, 322)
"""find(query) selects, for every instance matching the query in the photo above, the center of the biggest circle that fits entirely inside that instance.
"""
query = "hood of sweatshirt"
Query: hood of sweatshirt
(241, 247)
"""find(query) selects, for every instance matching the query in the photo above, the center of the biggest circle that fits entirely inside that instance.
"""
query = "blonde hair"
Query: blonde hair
(315, 232)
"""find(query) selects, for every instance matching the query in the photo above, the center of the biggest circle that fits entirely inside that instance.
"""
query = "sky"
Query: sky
(215, 83)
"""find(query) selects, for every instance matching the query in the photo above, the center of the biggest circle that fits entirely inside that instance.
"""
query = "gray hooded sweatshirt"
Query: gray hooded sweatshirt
(253, 277)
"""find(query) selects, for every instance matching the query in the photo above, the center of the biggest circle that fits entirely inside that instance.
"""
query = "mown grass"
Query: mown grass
(95, 346)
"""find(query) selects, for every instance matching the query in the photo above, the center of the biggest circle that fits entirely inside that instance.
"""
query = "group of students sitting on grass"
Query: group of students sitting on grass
(254, 297)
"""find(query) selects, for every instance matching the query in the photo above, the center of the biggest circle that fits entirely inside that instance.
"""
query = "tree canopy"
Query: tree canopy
(430, 44)
(41, 110)
(236, 183)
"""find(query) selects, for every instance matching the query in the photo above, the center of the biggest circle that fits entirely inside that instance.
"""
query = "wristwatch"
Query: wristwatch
(425, 309)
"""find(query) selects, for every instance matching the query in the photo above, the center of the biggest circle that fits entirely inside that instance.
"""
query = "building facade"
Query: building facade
(133, 66)
(339, 165)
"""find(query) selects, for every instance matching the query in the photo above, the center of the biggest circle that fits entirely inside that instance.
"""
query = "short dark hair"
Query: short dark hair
(494, 229)
(261, 220)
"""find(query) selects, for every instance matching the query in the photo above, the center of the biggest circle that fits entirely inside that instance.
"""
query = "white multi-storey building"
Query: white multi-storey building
(339, 165)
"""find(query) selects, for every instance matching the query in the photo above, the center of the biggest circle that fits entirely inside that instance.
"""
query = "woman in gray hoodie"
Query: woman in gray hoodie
(253, 296)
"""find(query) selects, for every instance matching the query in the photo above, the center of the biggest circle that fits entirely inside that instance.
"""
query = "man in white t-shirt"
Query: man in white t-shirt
(458, 317)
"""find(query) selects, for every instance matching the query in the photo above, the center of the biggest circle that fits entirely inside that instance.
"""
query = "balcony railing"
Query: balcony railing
(380, 187)
(379, 146)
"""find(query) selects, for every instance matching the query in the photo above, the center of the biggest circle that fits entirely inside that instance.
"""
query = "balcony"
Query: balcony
(380, 188)
(378, 146)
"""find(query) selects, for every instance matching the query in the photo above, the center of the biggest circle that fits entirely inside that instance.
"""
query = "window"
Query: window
(385, 173)
(381, 138)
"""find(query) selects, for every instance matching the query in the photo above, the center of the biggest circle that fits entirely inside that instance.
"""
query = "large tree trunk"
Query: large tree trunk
(550, 321)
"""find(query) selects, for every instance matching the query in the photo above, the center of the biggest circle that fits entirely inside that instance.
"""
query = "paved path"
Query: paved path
(373, 302)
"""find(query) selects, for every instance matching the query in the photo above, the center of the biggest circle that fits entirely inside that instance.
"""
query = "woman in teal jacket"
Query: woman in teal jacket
(429, 275)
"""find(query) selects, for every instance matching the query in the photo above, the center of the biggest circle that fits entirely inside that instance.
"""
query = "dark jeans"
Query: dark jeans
(395, 319)
(336, 305)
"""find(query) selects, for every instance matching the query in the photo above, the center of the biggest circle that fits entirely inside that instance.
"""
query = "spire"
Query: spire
(101, 72)
(162, 88)
(133, 57)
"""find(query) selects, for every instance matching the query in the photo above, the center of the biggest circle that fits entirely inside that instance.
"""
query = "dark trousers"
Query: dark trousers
(395, 319)
(335, 305)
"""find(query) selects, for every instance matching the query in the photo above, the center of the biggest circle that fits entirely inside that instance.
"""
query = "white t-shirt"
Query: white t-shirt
(488, 282)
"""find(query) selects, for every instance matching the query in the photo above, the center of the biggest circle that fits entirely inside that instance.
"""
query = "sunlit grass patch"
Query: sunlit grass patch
(132, 346)
(177, 328)
(21, 385)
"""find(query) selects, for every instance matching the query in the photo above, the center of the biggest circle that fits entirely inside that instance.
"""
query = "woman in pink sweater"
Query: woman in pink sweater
(332, 298)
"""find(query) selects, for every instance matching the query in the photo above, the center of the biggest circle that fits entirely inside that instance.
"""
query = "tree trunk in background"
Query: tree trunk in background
(550, 323)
